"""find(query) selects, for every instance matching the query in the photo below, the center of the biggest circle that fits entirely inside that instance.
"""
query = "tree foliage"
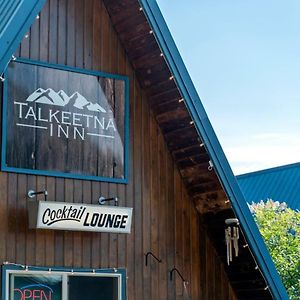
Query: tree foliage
(280, 228)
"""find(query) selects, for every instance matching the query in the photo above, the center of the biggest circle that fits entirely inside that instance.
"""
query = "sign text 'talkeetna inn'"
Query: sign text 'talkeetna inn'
(63, 123)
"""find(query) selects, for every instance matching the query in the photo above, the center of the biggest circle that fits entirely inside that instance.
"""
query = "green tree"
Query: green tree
(280, 228)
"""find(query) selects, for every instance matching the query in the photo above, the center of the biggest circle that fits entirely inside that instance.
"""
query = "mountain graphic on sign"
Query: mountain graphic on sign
(60, 98)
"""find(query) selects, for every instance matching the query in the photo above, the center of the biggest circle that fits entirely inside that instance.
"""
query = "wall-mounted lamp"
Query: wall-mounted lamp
(102, 200)
(31, 194)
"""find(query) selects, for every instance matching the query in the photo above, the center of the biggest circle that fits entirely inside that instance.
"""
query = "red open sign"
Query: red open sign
(39, 294)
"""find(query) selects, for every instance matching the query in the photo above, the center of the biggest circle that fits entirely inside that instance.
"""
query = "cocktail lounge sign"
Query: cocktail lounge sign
(81, 217)
(65, 122)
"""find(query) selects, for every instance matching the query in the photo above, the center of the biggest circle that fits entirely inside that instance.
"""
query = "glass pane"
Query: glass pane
(93, 288)
(40, 287)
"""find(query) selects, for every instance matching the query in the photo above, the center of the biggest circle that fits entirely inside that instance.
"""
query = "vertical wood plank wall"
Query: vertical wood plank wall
(79, 33)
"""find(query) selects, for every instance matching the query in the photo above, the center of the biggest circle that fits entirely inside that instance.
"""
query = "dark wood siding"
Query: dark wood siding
(79, 33)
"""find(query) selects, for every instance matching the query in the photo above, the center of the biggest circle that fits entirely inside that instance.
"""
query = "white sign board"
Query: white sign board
(83, 217)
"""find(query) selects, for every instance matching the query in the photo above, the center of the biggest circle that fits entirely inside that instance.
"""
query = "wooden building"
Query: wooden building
(97, 103)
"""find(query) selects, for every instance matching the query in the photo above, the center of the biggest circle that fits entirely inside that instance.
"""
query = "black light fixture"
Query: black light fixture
(102, 200)
(31, 194)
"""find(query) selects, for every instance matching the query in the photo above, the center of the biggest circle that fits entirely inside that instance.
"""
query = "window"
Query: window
(86, 287)
(47, 284)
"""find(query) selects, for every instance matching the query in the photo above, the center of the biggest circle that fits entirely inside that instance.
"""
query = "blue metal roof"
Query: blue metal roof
(16, 16)
(18, 23)
(279, 184)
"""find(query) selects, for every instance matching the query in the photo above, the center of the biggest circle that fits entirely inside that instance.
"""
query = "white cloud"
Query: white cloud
(262, 151)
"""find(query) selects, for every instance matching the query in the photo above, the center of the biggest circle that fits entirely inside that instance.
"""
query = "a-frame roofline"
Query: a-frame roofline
(20, 21)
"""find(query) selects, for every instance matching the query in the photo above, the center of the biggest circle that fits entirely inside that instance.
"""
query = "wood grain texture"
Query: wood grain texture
(165, 220)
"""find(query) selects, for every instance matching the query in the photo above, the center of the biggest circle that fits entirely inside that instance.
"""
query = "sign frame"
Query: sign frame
(6, 168)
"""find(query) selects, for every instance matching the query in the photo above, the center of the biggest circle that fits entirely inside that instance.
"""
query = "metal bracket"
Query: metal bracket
(31, 194)
(155, 257)
(102, 200)
(176, 270)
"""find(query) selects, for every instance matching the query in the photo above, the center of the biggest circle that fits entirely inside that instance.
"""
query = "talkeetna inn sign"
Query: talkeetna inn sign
(57, 114)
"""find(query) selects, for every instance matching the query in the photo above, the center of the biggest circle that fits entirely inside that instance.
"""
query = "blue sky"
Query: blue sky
(244, 59)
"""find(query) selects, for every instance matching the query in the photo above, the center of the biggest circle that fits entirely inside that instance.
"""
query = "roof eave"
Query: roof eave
(213, 147)
(17, 26)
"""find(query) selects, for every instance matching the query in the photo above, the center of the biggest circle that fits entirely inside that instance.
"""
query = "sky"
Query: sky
(244, 59)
